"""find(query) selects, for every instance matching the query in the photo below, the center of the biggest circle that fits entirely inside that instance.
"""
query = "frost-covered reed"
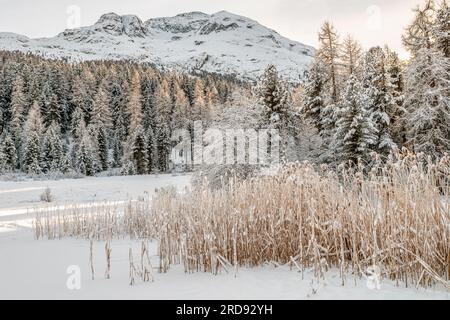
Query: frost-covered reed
(395, 217)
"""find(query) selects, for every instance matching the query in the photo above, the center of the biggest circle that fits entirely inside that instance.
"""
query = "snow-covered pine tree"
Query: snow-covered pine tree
(2, 120)
(152, 150)
(139, 151)
(77, 117)
(101, 123)
(84, 151)
(395, 87)
(53, 155)
(129, 164)
(100, 112)
(162, 130)
(18, 108)
(31, 137)
(355, 132)
(274, 98)
(378, 99)
(118, 95)
(50, 107)
(427, 96)
(8, 153)
(441, 30)
(83, 91)
(313, 102)
(272, 95)
(101, 138)
(3, 166)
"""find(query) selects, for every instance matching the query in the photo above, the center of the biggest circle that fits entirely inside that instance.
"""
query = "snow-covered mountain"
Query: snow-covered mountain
(223, 42)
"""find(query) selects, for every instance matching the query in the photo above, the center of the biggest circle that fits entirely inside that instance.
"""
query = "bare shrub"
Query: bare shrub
(47, 195)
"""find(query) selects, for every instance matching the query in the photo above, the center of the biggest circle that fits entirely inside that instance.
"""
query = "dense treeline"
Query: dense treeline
(365, 102)
(91, 116)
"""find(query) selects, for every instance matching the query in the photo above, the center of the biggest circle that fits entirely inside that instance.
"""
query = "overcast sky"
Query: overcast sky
(373, 22)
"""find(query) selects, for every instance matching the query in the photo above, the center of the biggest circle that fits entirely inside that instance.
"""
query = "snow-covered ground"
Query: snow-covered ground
(19, 198)
(31, 269)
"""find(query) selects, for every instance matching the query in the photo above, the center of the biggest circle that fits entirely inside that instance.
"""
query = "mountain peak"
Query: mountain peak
(111, 16)
(115, 24)
(222, 42)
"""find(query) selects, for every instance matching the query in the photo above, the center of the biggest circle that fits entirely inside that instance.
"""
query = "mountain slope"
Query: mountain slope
(222, 42)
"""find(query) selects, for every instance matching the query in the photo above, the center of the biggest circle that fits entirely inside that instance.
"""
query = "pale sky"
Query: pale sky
(372, 22)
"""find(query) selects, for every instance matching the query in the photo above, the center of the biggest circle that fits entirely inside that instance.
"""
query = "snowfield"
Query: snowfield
(19, 198)
(32, 269)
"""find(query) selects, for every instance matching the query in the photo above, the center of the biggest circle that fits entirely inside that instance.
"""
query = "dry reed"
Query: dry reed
(395, 217)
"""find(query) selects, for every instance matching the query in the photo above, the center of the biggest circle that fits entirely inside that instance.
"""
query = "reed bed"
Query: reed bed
(395, 216)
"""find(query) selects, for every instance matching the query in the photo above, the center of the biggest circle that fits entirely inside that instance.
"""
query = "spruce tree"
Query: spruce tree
(53, 154)
(441, 29)
(355, 132)
(31, 137)
(428, 101)
(8, 152)
(102, 147)
(139, 151)
(314, 103)
(378, 99)
(84, 158)
(273, 97)
(427, 97)
(395, 88)
(162, 130)
(18, 108)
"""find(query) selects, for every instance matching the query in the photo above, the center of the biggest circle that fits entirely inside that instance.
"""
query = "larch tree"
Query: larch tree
(329, 53)
(395, 88)
(351, 56)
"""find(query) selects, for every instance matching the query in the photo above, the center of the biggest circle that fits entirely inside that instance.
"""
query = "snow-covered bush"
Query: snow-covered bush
(47, 195)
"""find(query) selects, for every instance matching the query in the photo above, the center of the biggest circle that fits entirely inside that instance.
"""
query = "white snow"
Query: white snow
(222, 43)
(21, 197)
(37, 269)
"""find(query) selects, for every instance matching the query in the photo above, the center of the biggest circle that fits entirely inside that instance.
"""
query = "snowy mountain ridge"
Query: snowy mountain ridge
(222, 43)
